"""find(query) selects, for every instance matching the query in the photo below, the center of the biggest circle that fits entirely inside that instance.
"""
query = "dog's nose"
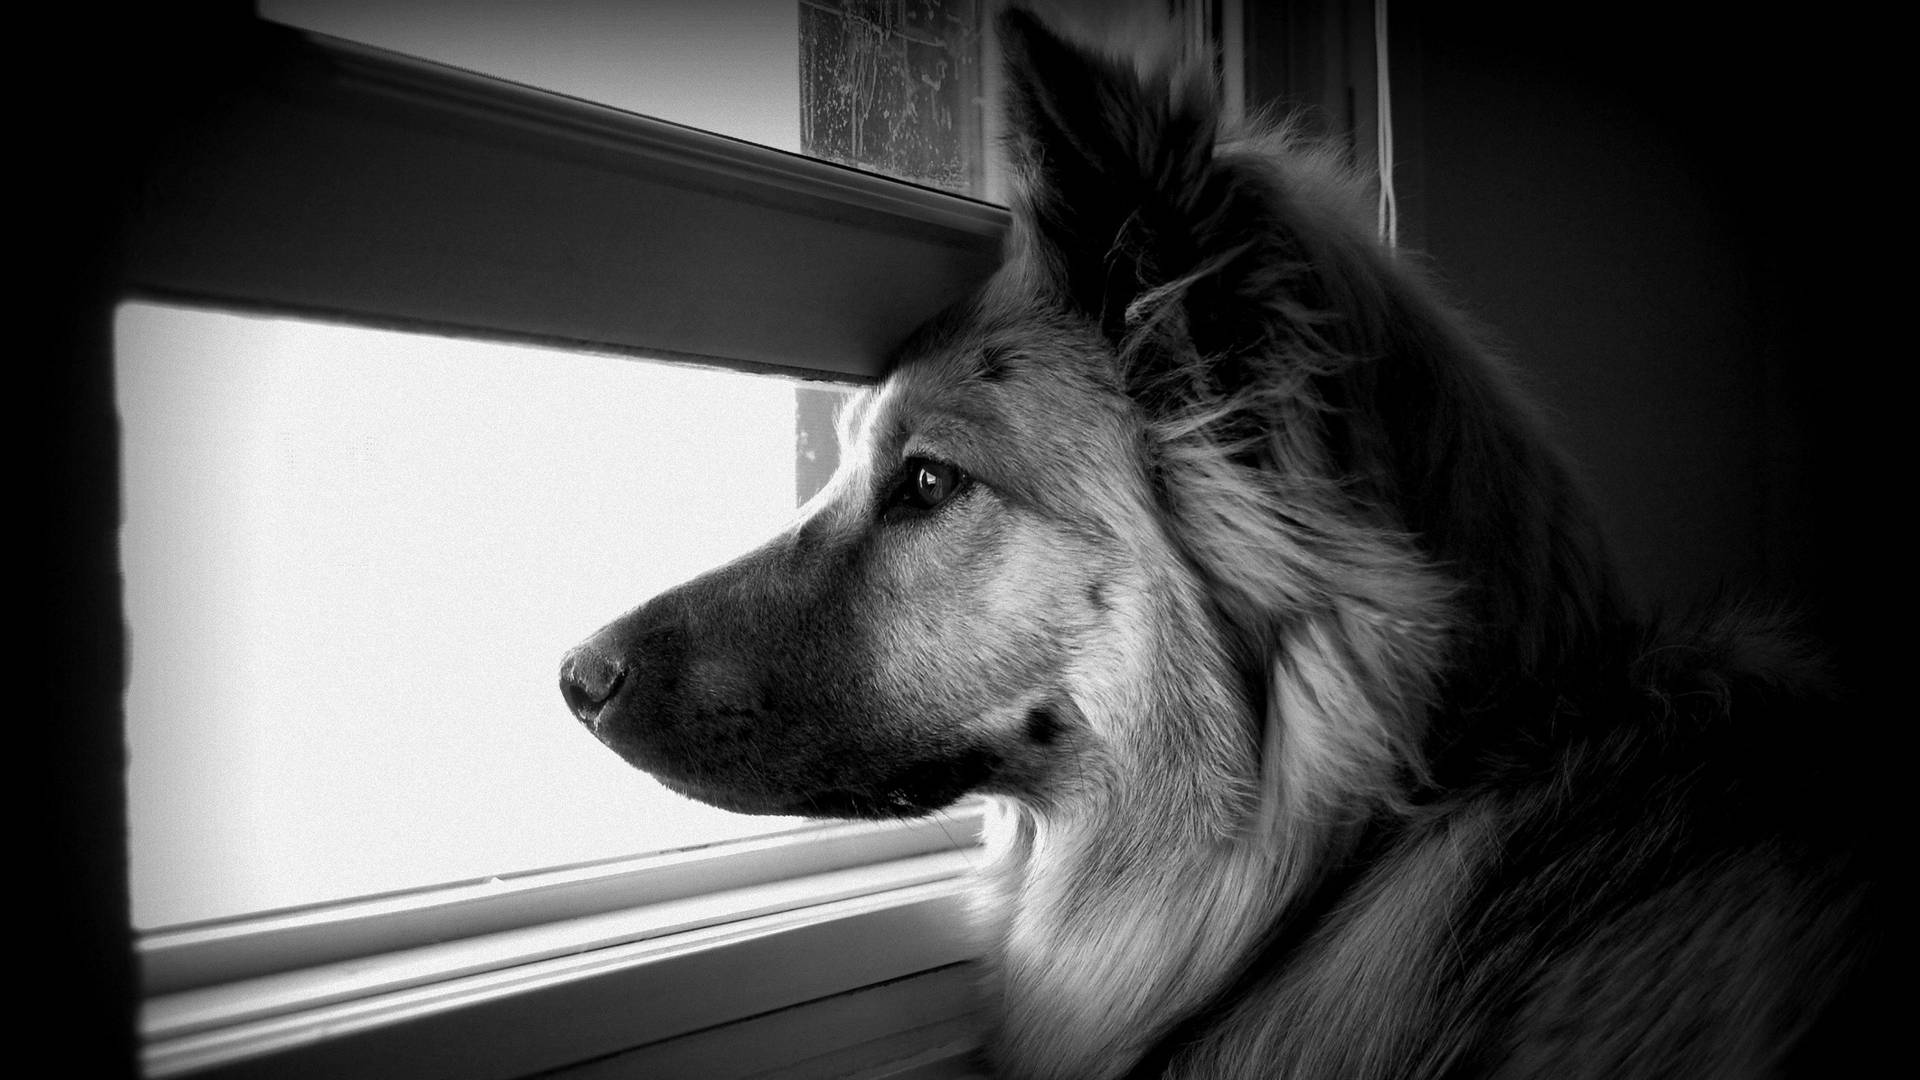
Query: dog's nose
(588, 680)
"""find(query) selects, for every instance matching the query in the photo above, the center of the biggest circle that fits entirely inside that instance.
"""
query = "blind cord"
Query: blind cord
(1389, 207)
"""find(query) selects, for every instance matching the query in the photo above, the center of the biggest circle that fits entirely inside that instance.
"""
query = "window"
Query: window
(336, 200)
(352, 558)
(336, 188)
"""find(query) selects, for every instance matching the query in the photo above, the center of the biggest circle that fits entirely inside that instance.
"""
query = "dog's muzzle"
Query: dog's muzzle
(588, 680)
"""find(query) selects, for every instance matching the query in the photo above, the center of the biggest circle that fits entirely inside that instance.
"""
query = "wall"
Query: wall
(1631, 204)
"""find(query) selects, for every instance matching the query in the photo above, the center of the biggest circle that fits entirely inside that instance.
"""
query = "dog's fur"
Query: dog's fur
(1329, 744)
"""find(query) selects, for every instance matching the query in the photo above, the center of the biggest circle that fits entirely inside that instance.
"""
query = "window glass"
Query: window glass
(353, 559)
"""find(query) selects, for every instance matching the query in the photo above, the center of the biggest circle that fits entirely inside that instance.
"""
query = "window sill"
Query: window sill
(538, 998)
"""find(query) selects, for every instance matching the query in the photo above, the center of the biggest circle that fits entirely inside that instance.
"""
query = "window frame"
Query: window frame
(329, 179)
(622, 958)
(343, 181)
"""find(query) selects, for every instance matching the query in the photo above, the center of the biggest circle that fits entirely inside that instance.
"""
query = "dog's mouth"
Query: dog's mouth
(720, 761)
(734, 716)
(914, 791)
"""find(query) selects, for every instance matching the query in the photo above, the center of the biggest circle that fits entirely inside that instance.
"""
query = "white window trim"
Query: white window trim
(350, 183)
(189, 958)
(629, 975)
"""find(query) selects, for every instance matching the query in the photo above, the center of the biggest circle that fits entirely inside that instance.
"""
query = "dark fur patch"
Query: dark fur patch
(1042, 726)
(996, 363)
(1097, 596)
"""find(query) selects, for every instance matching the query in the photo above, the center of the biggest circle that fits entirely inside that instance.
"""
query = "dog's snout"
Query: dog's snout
(588, 680)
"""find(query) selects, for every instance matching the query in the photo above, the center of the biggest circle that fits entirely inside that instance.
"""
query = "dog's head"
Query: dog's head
(1088, 499)
(920, 632)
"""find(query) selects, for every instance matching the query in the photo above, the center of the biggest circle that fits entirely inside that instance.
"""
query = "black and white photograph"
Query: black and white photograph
(963, 540)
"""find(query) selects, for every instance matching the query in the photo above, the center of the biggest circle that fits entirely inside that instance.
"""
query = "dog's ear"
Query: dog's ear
(1115, 168)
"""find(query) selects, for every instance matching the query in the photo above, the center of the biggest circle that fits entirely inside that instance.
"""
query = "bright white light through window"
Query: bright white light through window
(353, 561)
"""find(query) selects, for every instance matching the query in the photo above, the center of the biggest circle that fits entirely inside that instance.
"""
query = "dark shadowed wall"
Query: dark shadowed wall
(1646, 210)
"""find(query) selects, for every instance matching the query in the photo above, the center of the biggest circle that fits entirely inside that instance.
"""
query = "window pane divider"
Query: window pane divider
(343, 181)
(662, 145)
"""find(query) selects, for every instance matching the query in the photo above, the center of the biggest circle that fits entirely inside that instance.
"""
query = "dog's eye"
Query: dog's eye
(925, 483)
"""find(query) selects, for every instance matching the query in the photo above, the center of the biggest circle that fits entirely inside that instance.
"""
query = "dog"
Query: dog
(1210, 542)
